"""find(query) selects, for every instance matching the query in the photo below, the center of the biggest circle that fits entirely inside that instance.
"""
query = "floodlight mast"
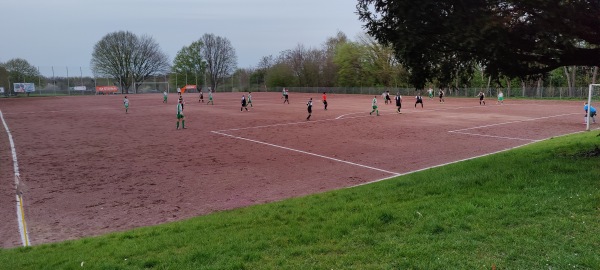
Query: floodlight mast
(589, 107)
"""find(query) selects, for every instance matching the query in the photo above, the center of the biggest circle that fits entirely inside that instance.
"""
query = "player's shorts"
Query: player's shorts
(286, 97)
(419, 101)
(375, 107)
(481, 98)
(398, 104)
(179, 116)
(310, 109)
(441, 96)
(126, 106)
(430, 95)
(593, 114)
(500, 98)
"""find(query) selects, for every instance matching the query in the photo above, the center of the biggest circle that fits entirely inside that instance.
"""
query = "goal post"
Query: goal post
(591, 95)
(151, 87)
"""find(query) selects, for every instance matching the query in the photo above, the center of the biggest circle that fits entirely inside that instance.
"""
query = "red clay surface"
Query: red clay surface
(89, 168)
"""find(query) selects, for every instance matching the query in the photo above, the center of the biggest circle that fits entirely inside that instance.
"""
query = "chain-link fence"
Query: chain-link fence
(69, 80)
(534, 92)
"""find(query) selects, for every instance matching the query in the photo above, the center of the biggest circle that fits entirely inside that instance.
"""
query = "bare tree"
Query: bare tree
(128, 58)
(220, 57)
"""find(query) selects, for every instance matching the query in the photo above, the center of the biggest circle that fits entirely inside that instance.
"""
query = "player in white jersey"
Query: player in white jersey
(374, 104)
(180, 117)
(126, 103)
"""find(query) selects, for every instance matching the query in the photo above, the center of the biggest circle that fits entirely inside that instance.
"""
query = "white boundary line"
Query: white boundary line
(304, 152)
(492, 136)
(512, 122)
(457, 161)
(20, 211)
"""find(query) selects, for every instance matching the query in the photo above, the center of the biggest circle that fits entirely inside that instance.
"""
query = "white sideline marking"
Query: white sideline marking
(304, 152)
(20, 211)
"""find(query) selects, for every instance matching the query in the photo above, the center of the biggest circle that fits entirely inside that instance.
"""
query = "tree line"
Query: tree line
(446, 44)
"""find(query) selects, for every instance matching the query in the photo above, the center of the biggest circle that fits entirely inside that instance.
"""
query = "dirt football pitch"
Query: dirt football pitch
(88, 168)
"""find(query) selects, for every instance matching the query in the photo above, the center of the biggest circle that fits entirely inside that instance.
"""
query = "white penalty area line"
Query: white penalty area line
(492, 136)
(19, 196)
(307, 153)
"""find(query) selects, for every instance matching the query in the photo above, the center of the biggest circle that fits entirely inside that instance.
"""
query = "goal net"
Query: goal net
(151, 87)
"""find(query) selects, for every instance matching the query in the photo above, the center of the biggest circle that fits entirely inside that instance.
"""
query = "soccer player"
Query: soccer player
(126, 103)
(201, 99)
(398, 101)
(180, 117)
(374, 104)
(309, 108)
(165, 95)
(244, 104)
(430, 93)
(388, 100)
(210, 98)
(441, 95)
(481, 96)
(419, 99)
(500, 97)
(325, 100)
(592, 111)
(250, 99)
(286, 95)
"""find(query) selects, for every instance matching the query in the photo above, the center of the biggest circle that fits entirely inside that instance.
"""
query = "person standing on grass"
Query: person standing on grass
(441, 95)
(250, 99)
(481, 96)
(500, 97)
(210, 98)
(309, 108)
(126, 103)
(286, 95)
(244, 104)
(180, 117)
(165, 96)
(419, 99)
(398, 101)
(325, 100)
(374, 105)
(592, 112)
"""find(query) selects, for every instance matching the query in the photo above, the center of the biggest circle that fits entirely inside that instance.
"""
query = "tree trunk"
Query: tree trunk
(523, 87)
(508, 87)
(569, 82)
(595, 74)
(538, 90)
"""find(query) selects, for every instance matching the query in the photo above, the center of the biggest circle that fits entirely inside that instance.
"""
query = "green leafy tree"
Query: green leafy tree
(19, 70)
(281, 74)
(350, 59)
(127, 58)
(189, 66)
(4, 81)
(516, 38)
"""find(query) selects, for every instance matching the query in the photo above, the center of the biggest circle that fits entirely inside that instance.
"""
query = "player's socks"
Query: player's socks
(182, 124)
(177, 124)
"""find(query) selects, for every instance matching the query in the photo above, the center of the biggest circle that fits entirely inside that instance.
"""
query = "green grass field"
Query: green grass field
(536, 207)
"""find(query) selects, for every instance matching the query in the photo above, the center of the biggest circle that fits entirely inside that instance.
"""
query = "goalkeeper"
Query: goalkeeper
(592, 112)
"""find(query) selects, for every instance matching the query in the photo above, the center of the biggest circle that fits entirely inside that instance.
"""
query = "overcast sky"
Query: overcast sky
(62, 33)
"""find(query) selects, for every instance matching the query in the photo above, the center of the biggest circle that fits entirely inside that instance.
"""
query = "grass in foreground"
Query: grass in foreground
(537, 207)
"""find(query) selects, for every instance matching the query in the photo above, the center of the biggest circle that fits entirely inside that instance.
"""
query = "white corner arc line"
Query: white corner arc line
(304, 152)
(20, 211)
